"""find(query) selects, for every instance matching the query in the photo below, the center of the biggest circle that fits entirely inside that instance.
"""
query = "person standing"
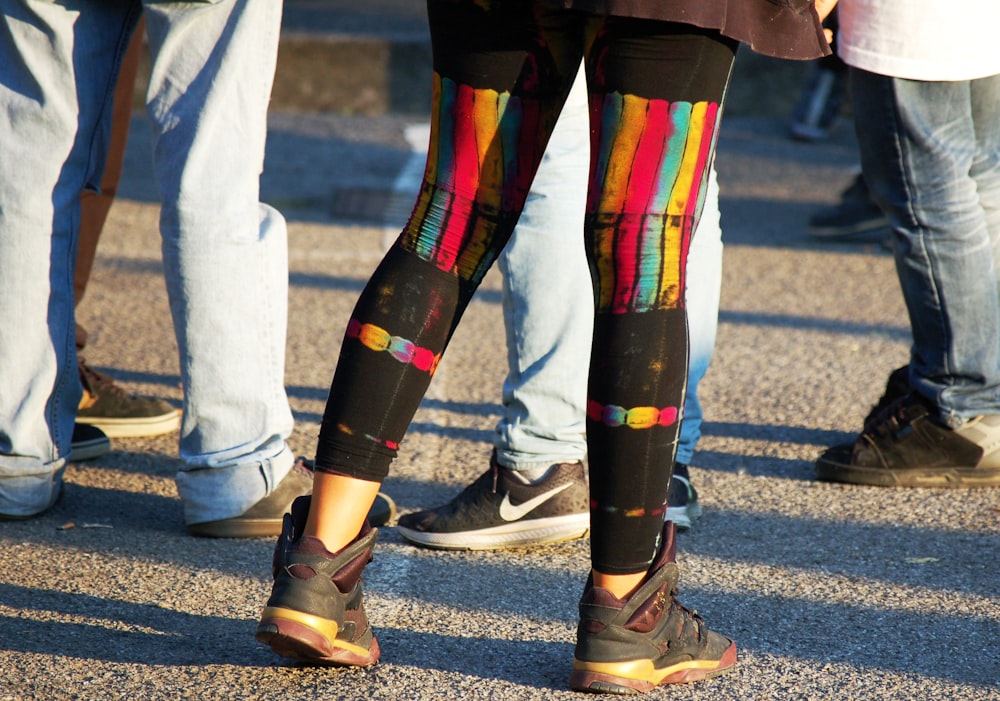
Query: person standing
(225, 253)
(925, 80)
(656, 76)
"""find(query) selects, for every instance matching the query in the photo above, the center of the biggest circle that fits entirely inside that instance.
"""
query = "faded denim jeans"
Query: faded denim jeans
(549, 310)
(224, 253)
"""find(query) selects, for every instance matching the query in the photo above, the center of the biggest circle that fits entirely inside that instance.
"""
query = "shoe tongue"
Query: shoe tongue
(668, 547)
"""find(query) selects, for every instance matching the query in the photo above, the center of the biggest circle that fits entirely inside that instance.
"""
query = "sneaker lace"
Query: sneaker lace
(471, 496)
(895, 416)
(97, 383)
(692, 615)
(897, 387)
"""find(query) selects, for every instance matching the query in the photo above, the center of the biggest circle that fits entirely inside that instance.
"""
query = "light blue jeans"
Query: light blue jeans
(225, 254)
(931, 157)
(548, 307)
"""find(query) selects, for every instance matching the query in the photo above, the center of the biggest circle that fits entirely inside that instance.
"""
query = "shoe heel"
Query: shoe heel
(607, 678)
(311, 639)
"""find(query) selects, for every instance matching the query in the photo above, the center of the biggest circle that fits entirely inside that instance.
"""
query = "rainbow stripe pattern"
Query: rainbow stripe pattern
(474, 183)
(652, 160)
(347, 430)
(635, 512)
(638, 417)
(406, 352)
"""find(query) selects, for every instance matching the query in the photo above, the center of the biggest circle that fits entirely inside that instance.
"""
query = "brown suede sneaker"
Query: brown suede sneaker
(263, 519)
(119, 414)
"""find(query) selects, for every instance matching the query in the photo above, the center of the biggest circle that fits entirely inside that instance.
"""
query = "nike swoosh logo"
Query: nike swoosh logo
(512, 512)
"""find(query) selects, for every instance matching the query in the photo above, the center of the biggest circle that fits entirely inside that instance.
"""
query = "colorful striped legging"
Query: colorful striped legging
(502, 70)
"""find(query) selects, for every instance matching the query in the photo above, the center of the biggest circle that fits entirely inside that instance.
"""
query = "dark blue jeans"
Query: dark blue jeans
(930, 153)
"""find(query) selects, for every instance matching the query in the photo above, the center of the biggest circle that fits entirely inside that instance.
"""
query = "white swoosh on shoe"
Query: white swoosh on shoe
(513, 512)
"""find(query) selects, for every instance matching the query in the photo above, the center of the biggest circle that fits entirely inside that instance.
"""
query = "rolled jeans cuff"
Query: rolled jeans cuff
(226, 491)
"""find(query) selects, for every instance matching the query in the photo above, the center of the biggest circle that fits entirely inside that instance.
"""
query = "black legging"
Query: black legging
(501, 75)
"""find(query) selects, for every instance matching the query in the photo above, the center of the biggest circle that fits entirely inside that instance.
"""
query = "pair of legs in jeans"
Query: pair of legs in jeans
(106, 408)
(502, 73)
(224, 253)
(931, 156)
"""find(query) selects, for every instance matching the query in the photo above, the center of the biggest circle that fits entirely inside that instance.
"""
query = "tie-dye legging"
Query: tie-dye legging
(502, 70)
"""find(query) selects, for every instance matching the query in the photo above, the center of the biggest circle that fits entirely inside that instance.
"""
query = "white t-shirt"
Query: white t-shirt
(921, 39)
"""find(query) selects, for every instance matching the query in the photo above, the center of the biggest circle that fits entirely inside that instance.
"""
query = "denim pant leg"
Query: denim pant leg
(548, 307)
(57, 69)
(225, 254)
(548, 304)
(704, 284)
(931, 156)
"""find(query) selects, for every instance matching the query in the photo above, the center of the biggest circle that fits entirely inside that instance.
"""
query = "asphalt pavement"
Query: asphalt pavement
(830, 591)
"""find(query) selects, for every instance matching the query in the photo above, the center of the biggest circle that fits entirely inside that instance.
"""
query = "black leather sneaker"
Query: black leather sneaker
(88, 442)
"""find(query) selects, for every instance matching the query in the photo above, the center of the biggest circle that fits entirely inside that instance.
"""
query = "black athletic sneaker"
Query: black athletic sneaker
(499, 510)
(682, 505)
(316, 611)
(905, 445)
(896, 387)
(119, 414)
(856, 213)
(88, 442)
(626, 647)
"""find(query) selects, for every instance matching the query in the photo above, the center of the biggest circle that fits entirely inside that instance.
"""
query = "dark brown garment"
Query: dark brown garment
(778, 28)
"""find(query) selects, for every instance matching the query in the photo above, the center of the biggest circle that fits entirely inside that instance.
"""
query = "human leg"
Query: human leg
(544, 265)
(543, 408)
(931, 155)
(478, 174)
(638, 239)
(539, 441)
(704, 286)
(105, 405)
(225, 260)
(95, 204)
(640, 307)
(58, 66)
(540, 437)
(465, 213)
